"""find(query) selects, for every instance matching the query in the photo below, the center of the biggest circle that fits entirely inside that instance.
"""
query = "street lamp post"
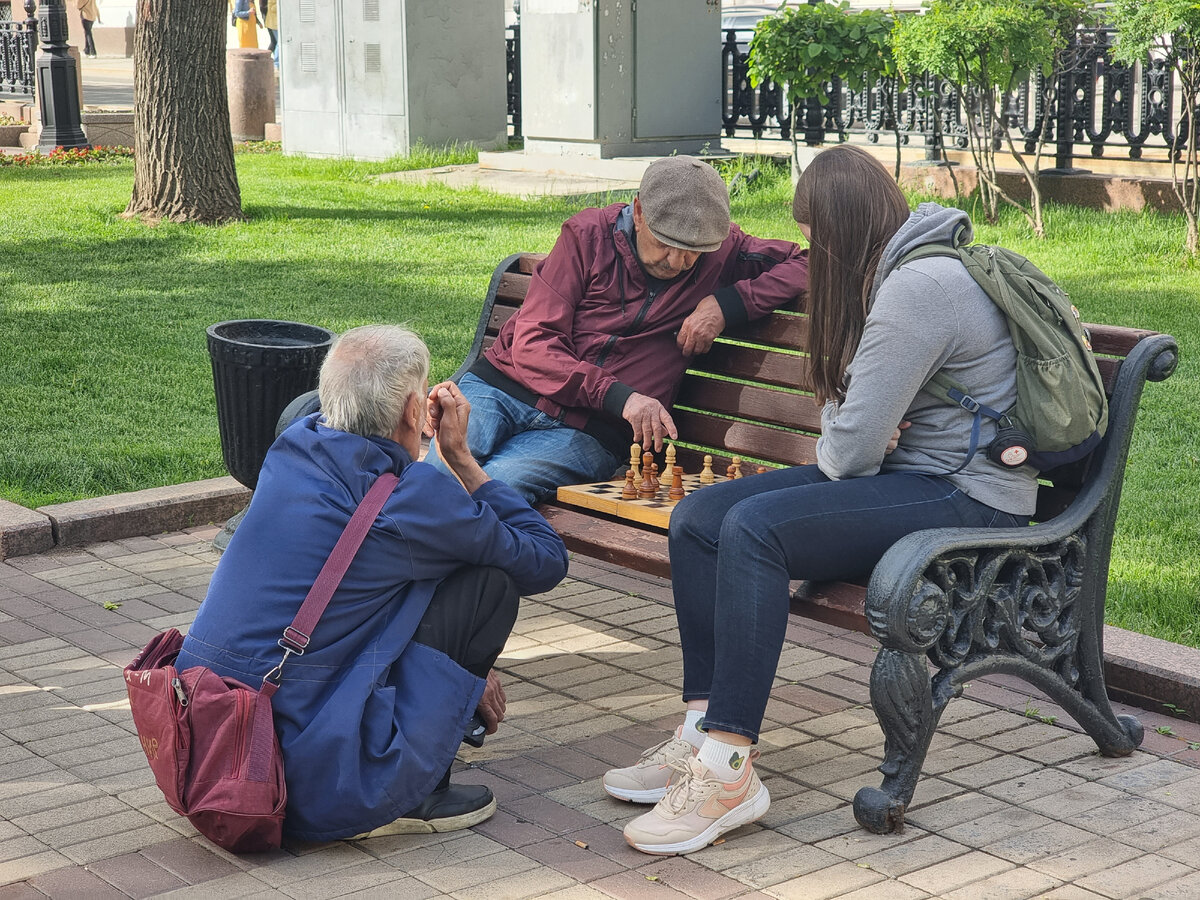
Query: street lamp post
(57, 82)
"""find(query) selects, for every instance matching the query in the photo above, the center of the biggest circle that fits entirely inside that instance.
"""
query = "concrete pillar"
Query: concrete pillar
(250, 75)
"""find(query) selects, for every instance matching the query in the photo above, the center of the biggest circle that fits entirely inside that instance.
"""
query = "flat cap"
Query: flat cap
(685, 203)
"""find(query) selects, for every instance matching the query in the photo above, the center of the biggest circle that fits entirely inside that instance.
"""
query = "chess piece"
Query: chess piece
(670, 459)
(729, 472)
(676, 492)
(635, 460)
(646, 490)
(629, 492)
(737, 467)
(761, 470)
(706, 474)
(654, 477)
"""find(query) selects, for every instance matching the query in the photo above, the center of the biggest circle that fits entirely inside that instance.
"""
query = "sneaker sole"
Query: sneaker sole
(650, 795)
(735, 818)
(430, 826)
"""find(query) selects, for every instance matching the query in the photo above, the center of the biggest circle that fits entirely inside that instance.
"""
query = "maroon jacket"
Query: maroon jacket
(591, 331)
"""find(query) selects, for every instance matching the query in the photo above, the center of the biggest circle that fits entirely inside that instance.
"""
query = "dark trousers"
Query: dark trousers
(470, 617)
(89, 46)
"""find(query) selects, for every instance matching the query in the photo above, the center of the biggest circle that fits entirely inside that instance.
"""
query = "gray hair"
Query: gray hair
(368, 376)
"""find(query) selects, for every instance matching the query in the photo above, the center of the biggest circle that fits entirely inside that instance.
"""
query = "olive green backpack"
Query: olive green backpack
(1061, 410)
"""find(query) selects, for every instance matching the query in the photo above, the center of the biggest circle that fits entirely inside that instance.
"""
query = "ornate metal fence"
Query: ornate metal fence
(18, 43)
(1108, 108)
(512, 56)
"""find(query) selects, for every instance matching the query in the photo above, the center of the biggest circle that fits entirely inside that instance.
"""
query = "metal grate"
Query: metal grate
(308, 10)
(308, 57)
(370, 10)
(372, 59)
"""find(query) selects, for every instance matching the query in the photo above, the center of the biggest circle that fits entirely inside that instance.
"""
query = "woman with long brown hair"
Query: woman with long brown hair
(892, 459)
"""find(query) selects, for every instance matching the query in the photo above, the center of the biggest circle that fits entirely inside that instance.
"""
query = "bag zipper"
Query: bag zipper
(179, 693)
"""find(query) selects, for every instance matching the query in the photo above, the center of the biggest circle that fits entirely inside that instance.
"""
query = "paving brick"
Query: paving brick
(835, 881)
(27, 866)
(885, 890)
(1096, 855)
(188, 860)
(956, 872)
(997, 826)
(635, 886)
(1068, 803)
(943, 814)
(767, 871)
(487, 869)
(691, 878)
(73, 882)
(1185, 888)
(1015, 884)
(136, 875)
(565, 856)
(1133, 878)
(513, 831)
(1025, 846)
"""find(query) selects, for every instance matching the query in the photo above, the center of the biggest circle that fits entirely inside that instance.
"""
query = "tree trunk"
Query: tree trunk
(183, 151)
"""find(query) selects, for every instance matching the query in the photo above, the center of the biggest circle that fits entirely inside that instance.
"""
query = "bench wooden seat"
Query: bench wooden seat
(1027, 602)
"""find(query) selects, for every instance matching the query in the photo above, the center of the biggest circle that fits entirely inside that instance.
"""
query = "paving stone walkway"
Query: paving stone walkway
(1014, 803)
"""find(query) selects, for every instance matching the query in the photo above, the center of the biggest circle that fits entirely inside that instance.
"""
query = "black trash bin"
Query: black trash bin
(259, 366)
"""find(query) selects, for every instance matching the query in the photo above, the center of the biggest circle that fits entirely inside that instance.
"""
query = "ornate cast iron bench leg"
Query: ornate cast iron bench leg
(1032, 611)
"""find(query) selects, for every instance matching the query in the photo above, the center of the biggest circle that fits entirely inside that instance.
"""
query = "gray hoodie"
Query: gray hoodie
(925, 316)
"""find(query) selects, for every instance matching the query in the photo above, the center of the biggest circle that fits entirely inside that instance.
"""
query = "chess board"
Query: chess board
(605, 497)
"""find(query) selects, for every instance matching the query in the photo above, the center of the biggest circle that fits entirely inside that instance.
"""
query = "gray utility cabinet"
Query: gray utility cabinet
(372, 78)
(620, 77)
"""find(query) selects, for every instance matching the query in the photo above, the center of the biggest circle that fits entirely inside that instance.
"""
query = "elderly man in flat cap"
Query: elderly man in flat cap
(594, 357)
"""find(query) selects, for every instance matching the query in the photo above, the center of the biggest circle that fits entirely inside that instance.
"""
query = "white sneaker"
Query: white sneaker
(698, 809)
(646, 781)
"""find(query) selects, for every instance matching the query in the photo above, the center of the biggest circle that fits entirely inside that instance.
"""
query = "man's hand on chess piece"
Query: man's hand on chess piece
(698, 330)
(493, 702)
(650, 420)
(448, 414)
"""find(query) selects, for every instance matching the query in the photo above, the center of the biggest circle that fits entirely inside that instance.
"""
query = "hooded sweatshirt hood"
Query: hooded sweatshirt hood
(930, 224)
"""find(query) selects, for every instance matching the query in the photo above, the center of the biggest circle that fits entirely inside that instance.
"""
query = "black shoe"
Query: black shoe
(451, 808)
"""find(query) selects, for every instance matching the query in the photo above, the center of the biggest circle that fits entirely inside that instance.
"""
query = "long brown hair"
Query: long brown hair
(853, 208)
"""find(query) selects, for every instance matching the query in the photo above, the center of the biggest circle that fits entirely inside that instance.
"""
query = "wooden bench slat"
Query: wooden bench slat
(1114, 339)
(746, 439)
(752, 364)
(731, 398)
(501, 313)
(615, 542)
(777, 330)
(528, 262)
(512, 287)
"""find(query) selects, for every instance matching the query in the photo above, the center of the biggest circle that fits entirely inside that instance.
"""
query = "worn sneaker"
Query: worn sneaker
(646, 780)
(450, 808)
(698, 809)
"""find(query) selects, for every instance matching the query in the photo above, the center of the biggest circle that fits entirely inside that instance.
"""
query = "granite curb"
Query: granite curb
(152, 511)
(1143, 671)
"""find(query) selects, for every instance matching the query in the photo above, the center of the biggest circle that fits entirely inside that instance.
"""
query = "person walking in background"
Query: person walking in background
(269, 10)
(243, 19)
(89, 13)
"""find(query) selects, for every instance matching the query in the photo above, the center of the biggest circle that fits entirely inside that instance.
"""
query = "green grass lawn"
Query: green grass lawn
(106, 383)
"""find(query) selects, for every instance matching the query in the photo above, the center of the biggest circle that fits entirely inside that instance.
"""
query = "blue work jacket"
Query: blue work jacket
(367, 718)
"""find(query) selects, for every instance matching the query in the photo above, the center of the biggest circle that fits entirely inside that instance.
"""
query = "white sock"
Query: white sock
(727, 762)
(690, 730)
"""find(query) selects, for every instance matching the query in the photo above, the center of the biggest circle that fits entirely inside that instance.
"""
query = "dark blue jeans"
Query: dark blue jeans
(735, 546)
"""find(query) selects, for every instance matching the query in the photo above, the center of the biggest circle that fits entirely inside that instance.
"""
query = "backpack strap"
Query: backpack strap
(949, 390)
(297, 635)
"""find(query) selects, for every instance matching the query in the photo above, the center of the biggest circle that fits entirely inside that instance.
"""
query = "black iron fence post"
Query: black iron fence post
(57, 83)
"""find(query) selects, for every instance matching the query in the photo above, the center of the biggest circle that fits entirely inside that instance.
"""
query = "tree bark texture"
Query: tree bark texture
(183, 151)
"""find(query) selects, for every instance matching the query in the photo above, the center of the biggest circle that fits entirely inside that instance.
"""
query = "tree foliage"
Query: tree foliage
(988, 48)
(804, 49)
(1170, 29)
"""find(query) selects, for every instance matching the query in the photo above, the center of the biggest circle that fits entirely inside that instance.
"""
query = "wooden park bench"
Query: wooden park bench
(1026, 601)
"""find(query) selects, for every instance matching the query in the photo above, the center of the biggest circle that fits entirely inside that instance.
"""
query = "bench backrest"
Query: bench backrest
(750, 395)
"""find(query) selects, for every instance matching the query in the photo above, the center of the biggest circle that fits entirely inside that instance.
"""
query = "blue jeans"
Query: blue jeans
(735, 546)
(528, 450)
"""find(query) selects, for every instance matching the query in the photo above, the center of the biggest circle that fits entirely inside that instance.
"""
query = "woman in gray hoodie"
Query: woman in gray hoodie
(892, 459)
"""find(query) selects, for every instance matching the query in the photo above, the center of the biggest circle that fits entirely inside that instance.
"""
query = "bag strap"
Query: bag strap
(297, 635)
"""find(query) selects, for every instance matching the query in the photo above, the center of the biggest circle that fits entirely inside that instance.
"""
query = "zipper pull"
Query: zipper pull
(179, 694)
